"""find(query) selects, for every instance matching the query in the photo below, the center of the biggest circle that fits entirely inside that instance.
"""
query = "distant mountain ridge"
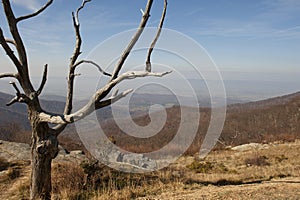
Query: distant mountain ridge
(266, 120)
(262, 121)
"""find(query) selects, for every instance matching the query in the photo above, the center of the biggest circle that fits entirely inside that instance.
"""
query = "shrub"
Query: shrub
(201, 166)
(208, 167)
(3, 164)
(257, 160)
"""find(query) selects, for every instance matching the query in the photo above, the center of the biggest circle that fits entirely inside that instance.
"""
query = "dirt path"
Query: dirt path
(281, 189)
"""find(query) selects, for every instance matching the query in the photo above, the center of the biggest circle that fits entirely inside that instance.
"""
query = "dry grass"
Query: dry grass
(91, 180)
(224, 168)
(240, 174)
(14, 180)
(280, 160)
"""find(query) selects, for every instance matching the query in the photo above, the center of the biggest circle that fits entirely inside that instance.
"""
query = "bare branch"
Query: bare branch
(76, 25)
(67, 119)
(10, 41)
(96, 100)
(9, 51)
(72, 67)
(35, 13)
(16, 88)
(81, 7)
(13, 101)
(148, 61)
(54, 118)
(44, 79)
(12, 22)
(21, 62)
(133, 41)
(9, 75)
(112, 100)
(92, 63)
(115, 93)
(21, 98)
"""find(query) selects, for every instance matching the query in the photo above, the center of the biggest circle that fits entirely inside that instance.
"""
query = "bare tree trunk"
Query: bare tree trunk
(44, 148)
(40, 187)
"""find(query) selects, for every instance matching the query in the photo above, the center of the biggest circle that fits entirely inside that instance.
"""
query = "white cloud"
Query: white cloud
(277, 19)
(32, 5)
(248, 29)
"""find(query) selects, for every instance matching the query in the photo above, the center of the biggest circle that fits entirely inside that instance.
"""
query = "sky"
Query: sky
(247, 40)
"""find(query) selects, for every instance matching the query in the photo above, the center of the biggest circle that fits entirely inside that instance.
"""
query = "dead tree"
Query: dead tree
(44, 145)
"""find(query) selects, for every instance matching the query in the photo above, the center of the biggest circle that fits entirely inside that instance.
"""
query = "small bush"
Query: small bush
(208, 167)
(3, 164)
(201, 167)
(257, 160)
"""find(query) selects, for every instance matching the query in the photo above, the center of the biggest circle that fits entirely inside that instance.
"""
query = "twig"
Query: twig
(16, 88)
(13, 101)
(9, 75)
(44, 80)
(21, 98)
(35, 13)
(92, 63)
(81, 7)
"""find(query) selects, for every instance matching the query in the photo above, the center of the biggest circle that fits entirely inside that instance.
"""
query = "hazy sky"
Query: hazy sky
(258, 37)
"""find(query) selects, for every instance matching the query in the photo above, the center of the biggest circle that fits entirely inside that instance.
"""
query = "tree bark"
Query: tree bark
(44, 149)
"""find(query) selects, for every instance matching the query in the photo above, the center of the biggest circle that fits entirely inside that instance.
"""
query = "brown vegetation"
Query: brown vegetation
(223, 174)
(263, 122)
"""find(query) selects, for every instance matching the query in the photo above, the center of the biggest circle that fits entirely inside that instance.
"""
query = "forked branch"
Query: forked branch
(35, 13)
(15, 86)
(76, 54)
(96, 99)
(21, 98)
(72, 66)
(133, 41)
(76, 25)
